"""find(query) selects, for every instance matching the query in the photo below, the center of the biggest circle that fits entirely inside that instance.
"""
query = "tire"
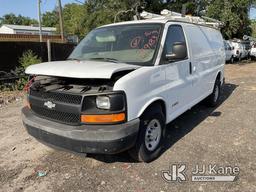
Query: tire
(213, 99)
(149, 143)
(232, 60)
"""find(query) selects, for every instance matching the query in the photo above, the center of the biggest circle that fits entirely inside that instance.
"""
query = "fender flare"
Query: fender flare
(148, 103)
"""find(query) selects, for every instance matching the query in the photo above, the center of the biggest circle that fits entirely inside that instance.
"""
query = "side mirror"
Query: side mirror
(179, 52)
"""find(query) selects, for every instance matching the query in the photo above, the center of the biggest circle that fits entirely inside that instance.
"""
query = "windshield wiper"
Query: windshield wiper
(105, 59)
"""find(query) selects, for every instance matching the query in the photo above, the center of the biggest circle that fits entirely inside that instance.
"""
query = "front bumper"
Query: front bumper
(100, 139)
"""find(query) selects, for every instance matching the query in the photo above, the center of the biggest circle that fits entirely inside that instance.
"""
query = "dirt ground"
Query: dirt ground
(202, 136)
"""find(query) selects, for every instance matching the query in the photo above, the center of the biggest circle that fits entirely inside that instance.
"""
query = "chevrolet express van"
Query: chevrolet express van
(122, 84)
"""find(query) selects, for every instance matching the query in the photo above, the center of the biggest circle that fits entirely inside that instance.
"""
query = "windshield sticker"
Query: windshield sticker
(135, 42)
(150, 44)
(148, 33)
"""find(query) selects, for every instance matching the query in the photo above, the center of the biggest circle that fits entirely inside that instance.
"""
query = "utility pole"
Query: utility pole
(39, 20)
(61, 20)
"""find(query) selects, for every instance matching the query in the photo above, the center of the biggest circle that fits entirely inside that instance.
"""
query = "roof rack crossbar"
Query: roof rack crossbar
(166, 14)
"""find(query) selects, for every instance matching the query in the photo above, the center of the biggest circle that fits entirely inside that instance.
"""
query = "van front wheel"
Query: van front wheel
(151, 135)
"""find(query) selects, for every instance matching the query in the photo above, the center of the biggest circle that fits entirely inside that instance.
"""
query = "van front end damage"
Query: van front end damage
(100, 139)
(82, 115)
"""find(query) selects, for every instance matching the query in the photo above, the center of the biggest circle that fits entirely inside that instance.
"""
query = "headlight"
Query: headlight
(104, 109)
(103, 102)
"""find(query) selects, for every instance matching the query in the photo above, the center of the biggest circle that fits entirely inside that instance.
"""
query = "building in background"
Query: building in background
(26, 30)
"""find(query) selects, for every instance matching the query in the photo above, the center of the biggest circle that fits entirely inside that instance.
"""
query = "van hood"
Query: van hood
(79, 69)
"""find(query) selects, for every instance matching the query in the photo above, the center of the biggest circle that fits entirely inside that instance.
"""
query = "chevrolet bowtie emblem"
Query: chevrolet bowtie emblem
(49, 104)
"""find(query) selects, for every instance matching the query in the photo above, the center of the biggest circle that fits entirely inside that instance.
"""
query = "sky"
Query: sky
(28, 7)
(253, 13)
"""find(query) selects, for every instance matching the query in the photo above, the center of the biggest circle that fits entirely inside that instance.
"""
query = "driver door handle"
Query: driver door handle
(190, 68)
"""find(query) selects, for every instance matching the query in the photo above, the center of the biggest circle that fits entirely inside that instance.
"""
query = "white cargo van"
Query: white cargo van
(122, 84)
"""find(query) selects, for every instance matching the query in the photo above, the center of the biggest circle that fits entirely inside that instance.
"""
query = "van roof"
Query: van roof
(160, 21)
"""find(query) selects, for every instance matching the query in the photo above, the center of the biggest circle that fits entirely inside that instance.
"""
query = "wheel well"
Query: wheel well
(158, 102)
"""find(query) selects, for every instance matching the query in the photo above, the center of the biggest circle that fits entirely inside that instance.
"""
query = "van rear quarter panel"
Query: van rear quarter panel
(207, 55)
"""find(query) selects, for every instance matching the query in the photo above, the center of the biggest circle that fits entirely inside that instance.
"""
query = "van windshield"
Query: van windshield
(133, 44)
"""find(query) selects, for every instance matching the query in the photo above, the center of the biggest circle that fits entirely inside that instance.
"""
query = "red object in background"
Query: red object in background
(27, 86)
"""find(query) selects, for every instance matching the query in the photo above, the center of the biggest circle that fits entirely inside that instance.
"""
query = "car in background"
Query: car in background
(246, 50)
(229, 51)
(253, 52)
(239, 50)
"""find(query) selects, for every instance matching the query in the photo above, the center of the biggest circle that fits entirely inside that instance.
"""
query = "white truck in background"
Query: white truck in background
(123, 83)
(241, 50)
(253, 52)
(229, 51)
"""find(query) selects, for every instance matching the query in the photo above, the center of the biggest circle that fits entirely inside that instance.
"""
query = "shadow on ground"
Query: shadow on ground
(242, 62)
(178, 128)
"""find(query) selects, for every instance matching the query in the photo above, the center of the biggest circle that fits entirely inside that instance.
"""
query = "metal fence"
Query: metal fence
(10, 52)
(30, 38)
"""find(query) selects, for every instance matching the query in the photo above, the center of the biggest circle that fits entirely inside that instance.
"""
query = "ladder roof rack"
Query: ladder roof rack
(170, 15)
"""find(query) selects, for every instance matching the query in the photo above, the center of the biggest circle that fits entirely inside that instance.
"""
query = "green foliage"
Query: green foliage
(253, 27)
(74, 16)
(17, 20)
(28, 58)
(50, 19)
(79, 19)
(234, 14)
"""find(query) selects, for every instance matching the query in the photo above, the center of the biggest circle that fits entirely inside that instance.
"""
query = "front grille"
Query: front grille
(59, 116)
(55, 96)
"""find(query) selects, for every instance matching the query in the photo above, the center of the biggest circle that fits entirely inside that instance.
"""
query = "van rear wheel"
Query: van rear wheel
(213, 99)
(151, 135)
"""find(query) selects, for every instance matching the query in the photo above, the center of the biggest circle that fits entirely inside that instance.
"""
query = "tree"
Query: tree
(50, 19)
(17, 20)
(234, 14)
(79, 19)
(74, 16)
(253, 27)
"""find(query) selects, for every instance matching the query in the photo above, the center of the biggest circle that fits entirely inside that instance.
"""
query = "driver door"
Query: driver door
(178, 74)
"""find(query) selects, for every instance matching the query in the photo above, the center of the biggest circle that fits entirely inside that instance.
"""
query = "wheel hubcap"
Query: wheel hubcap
(153, 135)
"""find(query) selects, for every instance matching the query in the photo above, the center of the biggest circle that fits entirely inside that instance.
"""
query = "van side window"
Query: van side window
(175, 34)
